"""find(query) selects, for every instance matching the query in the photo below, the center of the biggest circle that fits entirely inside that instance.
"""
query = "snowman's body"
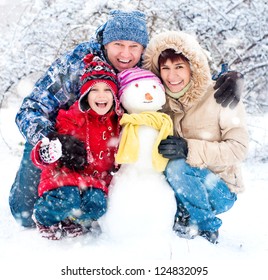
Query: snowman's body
(140, 203)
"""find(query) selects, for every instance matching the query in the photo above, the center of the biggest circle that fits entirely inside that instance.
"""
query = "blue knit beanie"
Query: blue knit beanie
(129, 26)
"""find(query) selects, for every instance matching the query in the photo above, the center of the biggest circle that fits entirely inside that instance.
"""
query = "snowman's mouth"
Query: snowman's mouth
(147, 101)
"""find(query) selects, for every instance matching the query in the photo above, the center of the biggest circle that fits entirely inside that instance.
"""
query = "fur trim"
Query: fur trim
(190, 48)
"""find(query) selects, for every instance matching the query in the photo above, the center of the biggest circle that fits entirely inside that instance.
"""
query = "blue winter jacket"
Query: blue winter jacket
(58, 88)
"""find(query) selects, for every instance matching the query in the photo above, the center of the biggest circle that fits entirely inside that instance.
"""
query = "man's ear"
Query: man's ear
(99, 33)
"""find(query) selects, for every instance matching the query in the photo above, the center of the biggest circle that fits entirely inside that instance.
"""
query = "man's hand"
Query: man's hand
(74, 155)
(229, 88)
(173, 147)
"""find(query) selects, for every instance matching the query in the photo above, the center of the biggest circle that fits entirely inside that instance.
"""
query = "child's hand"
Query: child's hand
(50, 151)
(74, 154)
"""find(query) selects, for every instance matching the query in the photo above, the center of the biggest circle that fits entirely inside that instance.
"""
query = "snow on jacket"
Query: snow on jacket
(100, 135)
(58, 88)
(217, 137)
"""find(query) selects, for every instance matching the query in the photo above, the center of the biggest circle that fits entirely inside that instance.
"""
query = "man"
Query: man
(121, 42)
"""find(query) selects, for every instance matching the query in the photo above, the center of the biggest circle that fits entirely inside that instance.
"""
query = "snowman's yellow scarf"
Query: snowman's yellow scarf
(129, 144)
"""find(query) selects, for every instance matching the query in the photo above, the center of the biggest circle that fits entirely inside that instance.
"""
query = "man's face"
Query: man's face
(124, 54)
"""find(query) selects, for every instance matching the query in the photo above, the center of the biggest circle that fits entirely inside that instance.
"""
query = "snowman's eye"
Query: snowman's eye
(154, 86)
(136, 85)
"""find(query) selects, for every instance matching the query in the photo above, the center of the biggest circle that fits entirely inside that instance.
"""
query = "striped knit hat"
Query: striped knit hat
(126, 77)
(96, 71)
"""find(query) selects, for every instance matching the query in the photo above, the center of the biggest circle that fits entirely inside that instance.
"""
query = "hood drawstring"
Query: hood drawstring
(90, 158)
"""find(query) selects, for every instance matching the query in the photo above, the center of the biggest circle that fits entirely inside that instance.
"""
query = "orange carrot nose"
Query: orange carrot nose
(148, 96)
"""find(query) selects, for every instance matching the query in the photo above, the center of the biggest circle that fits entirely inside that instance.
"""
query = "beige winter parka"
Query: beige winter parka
(217, 137)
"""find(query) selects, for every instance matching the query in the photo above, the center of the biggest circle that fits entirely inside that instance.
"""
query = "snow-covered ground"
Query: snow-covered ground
(242, 250)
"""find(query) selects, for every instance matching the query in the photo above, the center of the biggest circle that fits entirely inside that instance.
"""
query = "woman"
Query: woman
(209, 141)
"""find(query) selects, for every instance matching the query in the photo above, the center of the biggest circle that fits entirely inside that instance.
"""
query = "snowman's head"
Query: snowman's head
(140, 90)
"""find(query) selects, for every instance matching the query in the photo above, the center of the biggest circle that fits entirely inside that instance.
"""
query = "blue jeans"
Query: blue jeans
(23, 193)
(68, 202)
(200, 193)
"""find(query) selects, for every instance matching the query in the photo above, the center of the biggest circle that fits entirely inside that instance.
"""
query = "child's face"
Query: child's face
(176, 75)
(100, 98)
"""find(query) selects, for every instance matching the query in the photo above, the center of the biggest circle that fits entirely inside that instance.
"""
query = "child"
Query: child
(72, 198)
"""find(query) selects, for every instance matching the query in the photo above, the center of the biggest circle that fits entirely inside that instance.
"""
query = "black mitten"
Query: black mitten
(173, 147)
(229, 89)
(74, 154)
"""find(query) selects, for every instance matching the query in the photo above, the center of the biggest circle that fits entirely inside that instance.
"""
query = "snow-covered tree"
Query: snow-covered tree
(233, 31)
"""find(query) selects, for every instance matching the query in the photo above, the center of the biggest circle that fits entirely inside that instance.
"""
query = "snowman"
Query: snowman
(141, 204)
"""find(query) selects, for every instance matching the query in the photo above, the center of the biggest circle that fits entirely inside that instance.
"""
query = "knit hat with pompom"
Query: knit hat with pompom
(96, 71)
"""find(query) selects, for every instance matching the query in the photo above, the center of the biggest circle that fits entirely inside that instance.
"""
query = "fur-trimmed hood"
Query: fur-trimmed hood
(215, 141)
(187, 45)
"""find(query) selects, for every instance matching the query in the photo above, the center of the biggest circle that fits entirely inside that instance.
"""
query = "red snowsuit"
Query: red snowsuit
(100, 135)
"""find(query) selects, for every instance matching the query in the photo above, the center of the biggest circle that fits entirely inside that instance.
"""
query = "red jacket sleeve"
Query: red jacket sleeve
(68, 121)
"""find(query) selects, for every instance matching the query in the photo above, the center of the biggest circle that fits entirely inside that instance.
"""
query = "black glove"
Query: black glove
(74, 154)
(229, 89)
(173, 147)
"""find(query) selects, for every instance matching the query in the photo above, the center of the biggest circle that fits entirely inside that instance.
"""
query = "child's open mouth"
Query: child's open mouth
(101, 104)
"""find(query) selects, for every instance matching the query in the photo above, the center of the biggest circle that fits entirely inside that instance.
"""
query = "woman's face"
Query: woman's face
(175, 75)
